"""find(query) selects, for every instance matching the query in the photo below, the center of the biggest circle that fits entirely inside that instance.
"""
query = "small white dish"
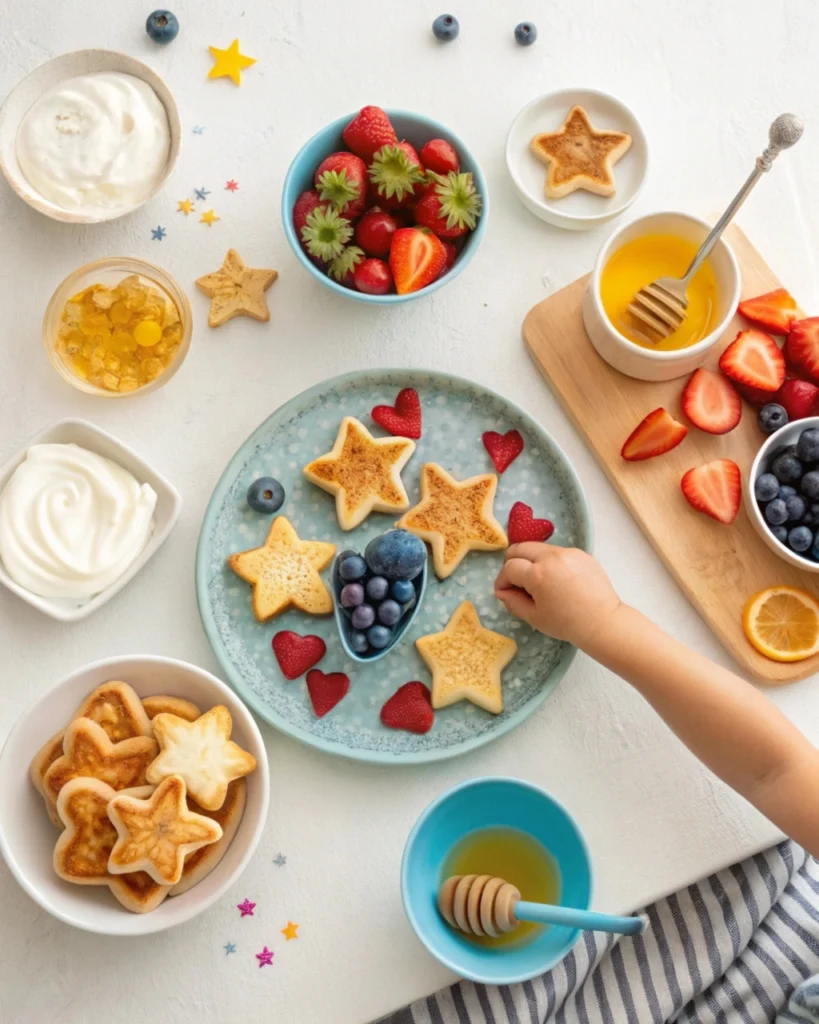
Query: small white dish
(28, 91)
(648, 364)
(168, 507)
(27, 836)
(580, 210)
(784, 436)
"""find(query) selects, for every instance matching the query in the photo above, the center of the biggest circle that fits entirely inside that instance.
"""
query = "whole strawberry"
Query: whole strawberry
(417, 258)
(440, 157)
(374, 232)
(396, 173)
(368, 131)
(325, 233)
(341, 179)
(373, 277)
(303, 207)
(451, 208)
(342, 267)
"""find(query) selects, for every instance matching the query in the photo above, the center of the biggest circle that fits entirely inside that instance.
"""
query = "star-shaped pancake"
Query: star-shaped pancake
(236, 290)
(579, 156)
(202, 754)
(466, 661)
(284, 572)
(455, 517)
(364, 473)
(155, 835)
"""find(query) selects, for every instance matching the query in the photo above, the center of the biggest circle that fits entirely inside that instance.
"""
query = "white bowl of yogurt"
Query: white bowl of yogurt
(80, 515)
(89, 136)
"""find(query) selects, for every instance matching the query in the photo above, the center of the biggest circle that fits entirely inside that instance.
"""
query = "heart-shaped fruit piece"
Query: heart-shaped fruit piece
(296, 654)
(404, 418)
(409, 708)
(503, 448)
(326, 690)
(523, 526)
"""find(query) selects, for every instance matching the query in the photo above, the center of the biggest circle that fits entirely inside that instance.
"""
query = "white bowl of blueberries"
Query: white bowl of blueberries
(782, 493)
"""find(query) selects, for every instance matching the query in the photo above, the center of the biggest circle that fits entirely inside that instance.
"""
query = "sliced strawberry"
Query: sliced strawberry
(417, 258)
(710, 401)
(368, 131)
(326, 690)
(296, 654)
(799, 398)
(715, 489)
(503, 448)
(523, 526)
(753, 358)
(404, 418)
(657, 434)
(774, 311)
(802, 347)
(409, 708)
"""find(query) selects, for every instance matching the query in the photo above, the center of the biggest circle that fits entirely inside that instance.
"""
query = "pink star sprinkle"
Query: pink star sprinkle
(231, 186)
(246, 907)
(265, 957)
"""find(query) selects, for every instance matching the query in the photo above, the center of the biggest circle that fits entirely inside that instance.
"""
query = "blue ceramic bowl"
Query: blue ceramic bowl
(487, 803)
(415, 128)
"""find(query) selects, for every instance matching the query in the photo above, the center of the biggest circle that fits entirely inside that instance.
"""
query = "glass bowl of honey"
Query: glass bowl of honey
(118, 327)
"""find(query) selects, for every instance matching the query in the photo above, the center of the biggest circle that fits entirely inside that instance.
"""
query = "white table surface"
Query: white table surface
(706, 81)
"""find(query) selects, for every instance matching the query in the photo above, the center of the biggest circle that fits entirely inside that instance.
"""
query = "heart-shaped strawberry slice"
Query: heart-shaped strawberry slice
(503, 448)
(523, 526)
(409, 708)
(326, 690)
(404, 418)
(295, 653)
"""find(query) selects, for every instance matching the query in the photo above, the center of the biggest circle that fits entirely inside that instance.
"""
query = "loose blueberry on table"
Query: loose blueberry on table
(162, 26)
(446, 28)
(525, 33)
(787, 493)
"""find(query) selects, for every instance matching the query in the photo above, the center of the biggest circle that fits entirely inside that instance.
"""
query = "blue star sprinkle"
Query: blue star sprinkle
(201, 193)
(157, 234)
(229, 948)
(279, 860)
(198, 129)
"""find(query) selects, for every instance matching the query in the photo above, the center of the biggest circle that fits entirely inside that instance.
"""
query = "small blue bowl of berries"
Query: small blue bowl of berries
(782, 493)
(378, 593)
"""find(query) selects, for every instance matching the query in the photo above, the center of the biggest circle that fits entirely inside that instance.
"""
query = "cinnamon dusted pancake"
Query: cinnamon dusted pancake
(578, 156)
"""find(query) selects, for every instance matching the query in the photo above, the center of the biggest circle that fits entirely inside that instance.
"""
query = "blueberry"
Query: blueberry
(389, 612)
(787, 468)
(379, 637)
(800, 539)
(363, 617)
(353, 567)
(162, 26)
(403, 590)
(525, 33)
(786, 491)
(358, 642)
(809, 485)
(766, 487)
(771, 417)
(807, 447)
(776, 512)
(396, 554)
(811, 517)
(265, 495)
(377, 588)
(446, 28)
(781, 533)
(352, 595)
(796, 506)
(346, 554)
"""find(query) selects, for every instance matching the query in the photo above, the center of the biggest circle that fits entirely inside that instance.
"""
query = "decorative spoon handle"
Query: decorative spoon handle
(784, 132)
(587, 920)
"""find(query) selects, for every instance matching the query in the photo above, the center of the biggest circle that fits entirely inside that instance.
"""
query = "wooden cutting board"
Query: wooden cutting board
(718, 567)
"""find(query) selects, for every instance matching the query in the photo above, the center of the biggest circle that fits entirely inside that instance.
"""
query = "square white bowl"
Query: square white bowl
(168, 507)
(27, 835)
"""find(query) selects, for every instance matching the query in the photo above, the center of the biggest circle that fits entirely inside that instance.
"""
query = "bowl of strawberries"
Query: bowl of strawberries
(384, 206)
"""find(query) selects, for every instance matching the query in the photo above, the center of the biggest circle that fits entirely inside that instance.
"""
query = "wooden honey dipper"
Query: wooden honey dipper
(483, 905)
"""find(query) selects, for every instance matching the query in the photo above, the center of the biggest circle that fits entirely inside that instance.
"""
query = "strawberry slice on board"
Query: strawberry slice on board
(715, 489)
(753, 358)
(775, 311)
(802, 347)
(417, 258)
(657, 434)
(711, 402)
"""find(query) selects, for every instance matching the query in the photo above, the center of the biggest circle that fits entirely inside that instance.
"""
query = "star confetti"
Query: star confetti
(201, 193)
(229, 947)
(231, 186)
(229, 63)
(246, 907)
(157, 234)
(265, 958)
(208, 217)
(184, 206)
(279, 860)
(291, 931)
(198, 129)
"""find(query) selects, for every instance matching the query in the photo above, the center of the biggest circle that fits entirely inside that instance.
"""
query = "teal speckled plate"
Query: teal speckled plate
(455, 414)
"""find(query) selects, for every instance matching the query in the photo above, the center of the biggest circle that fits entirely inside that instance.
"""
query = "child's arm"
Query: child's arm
(727, 723)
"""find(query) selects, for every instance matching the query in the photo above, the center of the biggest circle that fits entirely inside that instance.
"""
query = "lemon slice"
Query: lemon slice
(783, 623)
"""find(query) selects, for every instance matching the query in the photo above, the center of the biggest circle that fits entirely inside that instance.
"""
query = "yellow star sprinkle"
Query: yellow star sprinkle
(290, 932)
(229, 63)
(208, 217)
(184, 206)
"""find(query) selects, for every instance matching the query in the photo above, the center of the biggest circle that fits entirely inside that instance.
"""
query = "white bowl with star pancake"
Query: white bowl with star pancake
(581, 209)
(28, 836)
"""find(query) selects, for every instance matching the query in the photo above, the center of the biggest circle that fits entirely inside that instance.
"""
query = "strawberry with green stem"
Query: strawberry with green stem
(341, 179)
(396, 173)
(451, 207)
(303, 207)
(325, 233)
(343, 266)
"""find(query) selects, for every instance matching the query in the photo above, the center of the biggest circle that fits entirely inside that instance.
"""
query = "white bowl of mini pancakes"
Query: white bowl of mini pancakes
(28, 836)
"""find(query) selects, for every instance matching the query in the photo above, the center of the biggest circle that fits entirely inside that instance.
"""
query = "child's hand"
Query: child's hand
(562, 592)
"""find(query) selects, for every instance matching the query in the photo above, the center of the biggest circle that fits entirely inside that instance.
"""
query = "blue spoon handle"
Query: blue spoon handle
(586, 920)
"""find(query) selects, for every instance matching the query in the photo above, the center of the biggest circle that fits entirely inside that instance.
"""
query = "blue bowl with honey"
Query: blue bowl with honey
(505, 827)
